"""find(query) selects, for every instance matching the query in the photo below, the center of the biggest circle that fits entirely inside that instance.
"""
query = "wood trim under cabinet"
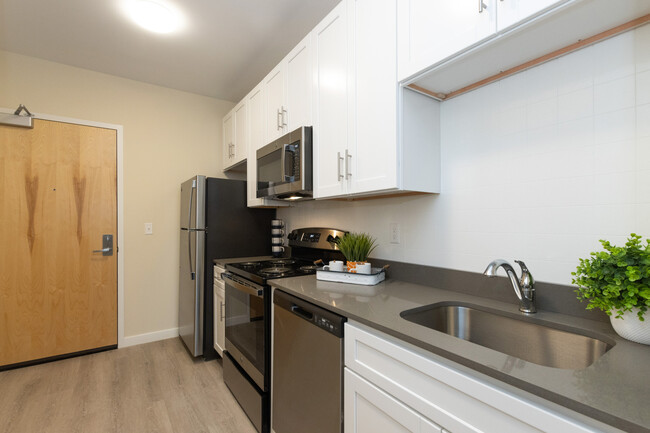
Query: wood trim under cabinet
(539, 60)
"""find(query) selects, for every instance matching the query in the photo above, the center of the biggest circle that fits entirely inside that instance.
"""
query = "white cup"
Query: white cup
(277, 249)
(277, 224)
(277, 241)
(277, 232)
(334, 265)
(363, 268)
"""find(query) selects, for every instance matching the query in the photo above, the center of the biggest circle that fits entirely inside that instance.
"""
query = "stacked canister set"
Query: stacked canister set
(277, 237)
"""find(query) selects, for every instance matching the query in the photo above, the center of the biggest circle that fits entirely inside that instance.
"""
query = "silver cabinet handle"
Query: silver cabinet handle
(285, 114)
(277, 120)
(221, 311)
(481, 6)
(348, 157)
(338, 164)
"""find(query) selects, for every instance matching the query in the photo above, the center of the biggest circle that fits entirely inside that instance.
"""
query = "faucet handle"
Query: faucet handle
(526, 280)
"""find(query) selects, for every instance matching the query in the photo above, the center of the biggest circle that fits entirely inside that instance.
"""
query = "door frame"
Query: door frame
(120, 204)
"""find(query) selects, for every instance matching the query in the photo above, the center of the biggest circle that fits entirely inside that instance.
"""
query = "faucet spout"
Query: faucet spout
(523, 287)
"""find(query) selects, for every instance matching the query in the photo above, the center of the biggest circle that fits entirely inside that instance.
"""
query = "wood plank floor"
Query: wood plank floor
(155, 387)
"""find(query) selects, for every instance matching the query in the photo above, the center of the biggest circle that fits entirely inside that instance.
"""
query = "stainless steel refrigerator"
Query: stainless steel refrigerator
(215, 223)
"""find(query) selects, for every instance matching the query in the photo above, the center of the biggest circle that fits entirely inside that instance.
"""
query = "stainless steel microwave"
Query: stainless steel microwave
(284, 167)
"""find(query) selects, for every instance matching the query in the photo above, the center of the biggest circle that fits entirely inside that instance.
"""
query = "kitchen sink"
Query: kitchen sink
(523, 337)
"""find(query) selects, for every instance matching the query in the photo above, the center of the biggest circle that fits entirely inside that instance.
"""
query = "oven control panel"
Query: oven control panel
(315, 237)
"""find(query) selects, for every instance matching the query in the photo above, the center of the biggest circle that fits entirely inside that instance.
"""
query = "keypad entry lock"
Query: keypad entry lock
(107, 246)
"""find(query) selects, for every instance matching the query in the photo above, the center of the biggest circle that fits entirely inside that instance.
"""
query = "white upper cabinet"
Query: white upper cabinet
(372, 156)
(241, 132)
(256, 125)
(274, 103)
(228, 143)
(362, 144)
(430, 31)
(511, 12)
(330, 102)
(299, 86)
(235, 136)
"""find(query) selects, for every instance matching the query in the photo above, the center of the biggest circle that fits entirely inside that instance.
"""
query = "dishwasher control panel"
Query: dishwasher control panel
(321, 317)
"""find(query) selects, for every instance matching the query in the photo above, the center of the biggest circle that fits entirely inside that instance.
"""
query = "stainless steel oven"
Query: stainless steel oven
(248, 337)
(284, 167)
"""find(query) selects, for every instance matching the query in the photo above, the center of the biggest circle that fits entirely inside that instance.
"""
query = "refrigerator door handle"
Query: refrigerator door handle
(189, 232)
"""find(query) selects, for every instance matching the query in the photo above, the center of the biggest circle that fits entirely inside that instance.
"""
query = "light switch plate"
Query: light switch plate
(148, 228)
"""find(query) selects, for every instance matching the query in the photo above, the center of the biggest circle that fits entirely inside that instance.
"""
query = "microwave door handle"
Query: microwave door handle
(285, 148)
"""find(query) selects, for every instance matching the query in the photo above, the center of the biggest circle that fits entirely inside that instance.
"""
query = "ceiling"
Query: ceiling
(225, 48)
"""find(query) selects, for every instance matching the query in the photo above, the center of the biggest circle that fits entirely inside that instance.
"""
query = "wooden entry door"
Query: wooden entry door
(57, 199)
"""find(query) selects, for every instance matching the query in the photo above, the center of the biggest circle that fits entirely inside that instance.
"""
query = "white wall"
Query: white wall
(538, 167)
(169, 136)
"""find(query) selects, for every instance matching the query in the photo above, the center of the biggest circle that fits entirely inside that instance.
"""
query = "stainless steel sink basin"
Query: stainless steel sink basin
(523, 337)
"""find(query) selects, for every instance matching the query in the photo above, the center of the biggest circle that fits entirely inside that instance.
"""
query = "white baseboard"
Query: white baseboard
(149, 337)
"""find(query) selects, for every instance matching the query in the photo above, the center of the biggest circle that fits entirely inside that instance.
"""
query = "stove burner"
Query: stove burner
(283, 262)
(275, 270)
(308, 268)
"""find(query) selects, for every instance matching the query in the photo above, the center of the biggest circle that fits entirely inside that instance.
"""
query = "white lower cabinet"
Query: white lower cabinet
(390, 383)
(370, 410)
(219, 319)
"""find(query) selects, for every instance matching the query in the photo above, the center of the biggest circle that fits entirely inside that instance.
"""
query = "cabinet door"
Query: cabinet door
(241, 133)
(372, 159)
(256, 127)
(274, 103)
(330, 54)
(430, 31)
(510, 12)
(256, 139)
(228, 154)
(299, 86)
(368, 409)
(219, 319)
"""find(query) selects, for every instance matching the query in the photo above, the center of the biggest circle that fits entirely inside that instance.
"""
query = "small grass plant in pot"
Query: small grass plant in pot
(356, 247)
(617, 281)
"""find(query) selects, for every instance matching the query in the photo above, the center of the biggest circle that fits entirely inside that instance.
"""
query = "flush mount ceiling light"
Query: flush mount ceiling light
(154, 16)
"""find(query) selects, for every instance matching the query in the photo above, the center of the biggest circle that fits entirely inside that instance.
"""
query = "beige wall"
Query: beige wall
(169, 136)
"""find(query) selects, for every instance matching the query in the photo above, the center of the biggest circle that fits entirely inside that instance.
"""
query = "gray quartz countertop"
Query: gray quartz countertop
(613, 390)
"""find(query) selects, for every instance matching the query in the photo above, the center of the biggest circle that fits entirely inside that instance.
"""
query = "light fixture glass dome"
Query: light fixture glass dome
(154, 16)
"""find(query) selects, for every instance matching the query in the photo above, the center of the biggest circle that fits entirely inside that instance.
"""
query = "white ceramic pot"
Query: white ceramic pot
(631, 328)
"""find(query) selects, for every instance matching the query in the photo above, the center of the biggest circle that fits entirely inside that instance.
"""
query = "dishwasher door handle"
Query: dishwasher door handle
(298, 311)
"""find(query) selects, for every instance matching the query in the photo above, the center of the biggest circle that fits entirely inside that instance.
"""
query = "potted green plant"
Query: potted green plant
(356, 247)
(617, 281)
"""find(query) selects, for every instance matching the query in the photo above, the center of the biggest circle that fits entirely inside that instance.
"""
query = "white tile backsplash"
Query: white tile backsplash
(538, 166)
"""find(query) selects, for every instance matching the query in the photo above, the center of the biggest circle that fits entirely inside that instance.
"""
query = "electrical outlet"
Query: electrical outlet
(395, 235)
(148, 228)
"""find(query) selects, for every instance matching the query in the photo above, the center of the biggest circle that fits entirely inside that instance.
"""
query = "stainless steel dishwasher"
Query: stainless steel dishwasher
(307, 367)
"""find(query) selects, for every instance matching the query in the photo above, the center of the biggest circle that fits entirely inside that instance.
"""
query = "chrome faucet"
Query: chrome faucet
(523, 287)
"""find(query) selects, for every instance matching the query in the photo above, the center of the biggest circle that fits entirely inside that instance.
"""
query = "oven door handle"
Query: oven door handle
(249, 290)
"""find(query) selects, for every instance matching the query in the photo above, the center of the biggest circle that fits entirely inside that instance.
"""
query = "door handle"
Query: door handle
(107, 246)
(338, 165)
(277, 120)
(481, 6)
(221, 311)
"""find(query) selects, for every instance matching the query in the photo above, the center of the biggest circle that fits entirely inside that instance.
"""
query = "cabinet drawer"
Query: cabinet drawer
(453, 399)
(369, 409)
